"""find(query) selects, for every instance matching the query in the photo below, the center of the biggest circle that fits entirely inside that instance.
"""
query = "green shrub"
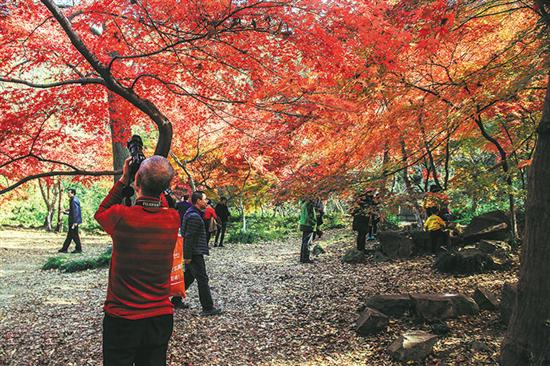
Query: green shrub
(77, 265)
(54, 263)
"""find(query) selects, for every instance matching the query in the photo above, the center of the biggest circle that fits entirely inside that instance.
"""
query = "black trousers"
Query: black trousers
(142, 342)
(196, 270)
(72, 234)
(361, 239)
(307, 237)
(220, 234)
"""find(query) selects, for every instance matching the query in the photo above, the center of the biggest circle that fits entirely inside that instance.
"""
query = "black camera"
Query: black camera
(135, 146)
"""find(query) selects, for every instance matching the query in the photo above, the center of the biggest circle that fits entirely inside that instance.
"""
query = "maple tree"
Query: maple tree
(283, 99)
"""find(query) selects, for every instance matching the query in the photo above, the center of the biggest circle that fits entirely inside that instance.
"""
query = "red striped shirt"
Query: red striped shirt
(143, 244)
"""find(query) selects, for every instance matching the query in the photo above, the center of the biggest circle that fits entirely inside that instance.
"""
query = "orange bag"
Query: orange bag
(177, 283)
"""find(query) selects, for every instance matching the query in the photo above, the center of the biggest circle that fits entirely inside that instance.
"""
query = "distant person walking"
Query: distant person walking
(194, 250)
(211, 221)
(308, 223)
(75, 219)
(223, 216)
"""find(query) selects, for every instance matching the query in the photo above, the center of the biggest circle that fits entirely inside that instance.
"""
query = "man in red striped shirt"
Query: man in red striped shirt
(138, 313)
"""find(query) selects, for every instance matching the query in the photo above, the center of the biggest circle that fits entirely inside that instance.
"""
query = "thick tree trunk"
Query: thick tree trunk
(119, 134)
(527, 341)
(59, 225)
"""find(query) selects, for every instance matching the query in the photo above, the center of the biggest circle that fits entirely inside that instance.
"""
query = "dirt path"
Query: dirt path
(276, 311)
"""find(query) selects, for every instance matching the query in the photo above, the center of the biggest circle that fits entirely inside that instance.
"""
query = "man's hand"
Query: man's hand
(74, 226)
(187, 261)
(125, 171)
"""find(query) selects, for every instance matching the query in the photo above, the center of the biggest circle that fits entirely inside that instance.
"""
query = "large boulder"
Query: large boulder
(464, 305)
(497, 247)
(371, 322)
(391, 305)
(466, 261)
(413, 346)
(485, 299)
(422, 242)
(491, 226)
(437, 307)
(433, 307)
(508, 300)
(395, 244)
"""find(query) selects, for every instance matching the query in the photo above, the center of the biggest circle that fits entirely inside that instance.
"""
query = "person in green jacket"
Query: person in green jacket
(308, 223)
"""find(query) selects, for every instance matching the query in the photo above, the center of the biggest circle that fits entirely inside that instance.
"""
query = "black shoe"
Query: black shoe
(62, 251)
(307, 261)
(215, 244)
(209, 312)
(180, 305)
(221, 245)
(76, 251)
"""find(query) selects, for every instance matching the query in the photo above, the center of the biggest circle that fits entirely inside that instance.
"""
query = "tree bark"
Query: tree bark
(527, 341)
(59, 225)
(119, 135)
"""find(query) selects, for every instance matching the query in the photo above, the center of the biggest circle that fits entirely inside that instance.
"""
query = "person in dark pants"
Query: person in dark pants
(363, 218)
(195, 248)
(223, 215)
(75, 219)
(138, 318)
(308, 222)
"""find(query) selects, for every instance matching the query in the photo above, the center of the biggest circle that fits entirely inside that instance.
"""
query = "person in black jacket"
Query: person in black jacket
(75, 219)
(194, 249)
(223, 215)
(364, 214)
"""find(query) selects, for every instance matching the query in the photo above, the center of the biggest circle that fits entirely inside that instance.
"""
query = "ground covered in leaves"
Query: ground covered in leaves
(276, 311)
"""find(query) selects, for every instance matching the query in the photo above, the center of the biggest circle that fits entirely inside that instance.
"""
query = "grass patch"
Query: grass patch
(76, 265)
(268, 228)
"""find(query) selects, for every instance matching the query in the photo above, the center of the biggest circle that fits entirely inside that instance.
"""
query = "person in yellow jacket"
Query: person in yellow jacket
(435, 226)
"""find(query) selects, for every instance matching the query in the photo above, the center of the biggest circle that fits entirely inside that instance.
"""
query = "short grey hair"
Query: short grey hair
(154, 175)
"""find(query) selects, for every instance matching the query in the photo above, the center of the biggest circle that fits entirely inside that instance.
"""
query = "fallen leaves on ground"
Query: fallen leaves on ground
(276, 310)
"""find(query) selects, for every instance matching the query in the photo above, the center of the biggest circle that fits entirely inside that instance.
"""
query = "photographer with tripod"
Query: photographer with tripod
(138, 318)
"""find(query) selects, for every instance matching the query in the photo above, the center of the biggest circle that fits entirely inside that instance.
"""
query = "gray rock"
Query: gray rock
(466, 261)
(422, 242)
(464, 305)
(371, 322)
(354, 256)
(508, 300)
(485, 299)
(480, 346)
(317, 250)
(395, 244)
(494, 247)
(391, 305)
(492, 226)
(413, 346)
(433, 307)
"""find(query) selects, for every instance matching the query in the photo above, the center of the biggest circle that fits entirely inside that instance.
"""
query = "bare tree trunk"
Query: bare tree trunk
(527, 341)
